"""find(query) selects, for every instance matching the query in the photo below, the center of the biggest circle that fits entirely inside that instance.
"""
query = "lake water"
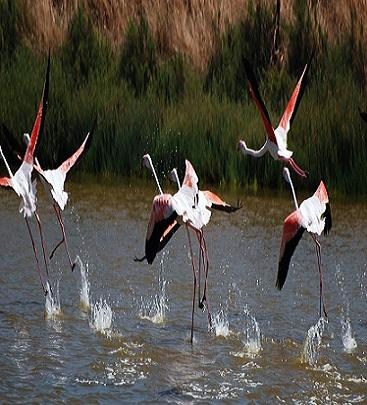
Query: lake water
(122, 333)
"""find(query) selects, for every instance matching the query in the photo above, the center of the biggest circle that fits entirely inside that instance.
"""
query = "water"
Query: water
(108, 353)
(84, 284)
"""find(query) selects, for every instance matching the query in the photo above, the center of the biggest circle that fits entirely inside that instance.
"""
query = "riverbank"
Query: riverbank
(149, 101)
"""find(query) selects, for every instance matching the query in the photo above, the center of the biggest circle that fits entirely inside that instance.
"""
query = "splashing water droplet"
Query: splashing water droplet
(101, 316)
(252, 341)
(348, 340)
(84, 288)
(347, 337)
(154, 309)
(52, 303)
(221, 324)
(311, 346)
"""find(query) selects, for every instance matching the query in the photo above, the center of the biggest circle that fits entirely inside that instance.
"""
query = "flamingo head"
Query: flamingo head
(287, 175)
(147, 161)
(173, 176)
(242, 146)
(26, 138)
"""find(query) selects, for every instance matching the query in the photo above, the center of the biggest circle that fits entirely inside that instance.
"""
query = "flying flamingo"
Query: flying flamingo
(313, 215)
(276, 140)
(21, 181)
(53, 182)
(169, 212)
(209, 200)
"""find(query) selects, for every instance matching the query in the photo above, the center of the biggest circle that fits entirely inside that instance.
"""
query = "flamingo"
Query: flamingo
(53, 182)
(169, 212)
(210, 200)
(276, 140)
(21, 181)
(313, 215)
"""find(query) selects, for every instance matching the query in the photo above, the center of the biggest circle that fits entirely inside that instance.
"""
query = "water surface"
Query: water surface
(128, 341)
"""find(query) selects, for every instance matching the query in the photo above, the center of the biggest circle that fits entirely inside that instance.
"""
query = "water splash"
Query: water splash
(52, 302)
(252, 341)
(155, 308)
(101, 316)
(347, 337)
(221, 324)
(311, 346)
(85, 286)
(348, 340)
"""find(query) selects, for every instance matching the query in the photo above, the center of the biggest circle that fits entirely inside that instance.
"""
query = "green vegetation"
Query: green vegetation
(147, 101)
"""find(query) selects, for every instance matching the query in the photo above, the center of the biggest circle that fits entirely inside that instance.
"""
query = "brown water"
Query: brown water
(145, 355)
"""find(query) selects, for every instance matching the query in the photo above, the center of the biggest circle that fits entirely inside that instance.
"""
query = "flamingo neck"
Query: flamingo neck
(174, 171)
(293, 193)
(156, 178)
(6, 163)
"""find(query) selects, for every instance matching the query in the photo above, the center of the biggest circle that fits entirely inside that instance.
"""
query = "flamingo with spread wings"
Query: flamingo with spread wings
(313, 216)
(53, 182)
(276, 140)
(21, 181)
(169, 212)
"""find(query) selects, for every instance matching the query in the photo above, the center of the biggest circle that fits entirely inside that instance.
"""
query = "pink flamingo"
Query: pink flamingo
(276, 140)
(21, 181)
(313, 215)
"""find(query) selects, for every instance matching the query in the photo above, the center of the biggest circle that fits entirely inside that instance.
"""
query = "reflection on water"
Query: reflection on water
(252, 354)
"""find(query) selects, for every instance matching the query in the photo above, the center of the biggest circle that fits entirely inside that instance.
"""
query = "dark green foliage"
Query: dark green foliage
(83, 51)
(251, 39)
(170, 83)
(9, 37)
(138, 60)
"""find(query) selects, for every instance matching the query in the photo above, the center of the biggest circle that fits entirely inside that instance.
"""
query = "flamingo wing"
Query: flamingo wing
(292, 234)
(40, 118)
(5, 182)
(161, 227)
(218, 204)
(293, 103)
(77, 155)
(255, 94)
(322, 194)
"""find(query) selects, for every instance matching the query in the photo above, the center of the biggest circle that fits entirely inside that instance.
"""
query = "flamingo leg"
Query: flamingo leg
(194, 286)
(204, 258)
(318, 252)
(35, 255)
(63, 240)
(296, 168)
(43, 246)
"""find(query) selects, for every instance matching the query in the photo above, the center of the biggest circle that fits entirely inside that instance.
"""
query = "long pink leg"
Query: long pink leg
(62, 226)
(194, 286)
(43, 247)
(296, 168)
(204, 257)
(35, 255)
(206, 280)
(318, 252)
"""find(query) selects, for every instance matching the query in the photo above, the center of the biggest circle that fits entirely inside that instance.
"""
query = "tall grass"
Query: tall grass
(147, 102)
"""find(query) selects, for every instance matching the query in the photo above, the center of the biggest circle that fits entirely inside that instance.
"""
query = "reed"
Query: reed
(149, 102)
